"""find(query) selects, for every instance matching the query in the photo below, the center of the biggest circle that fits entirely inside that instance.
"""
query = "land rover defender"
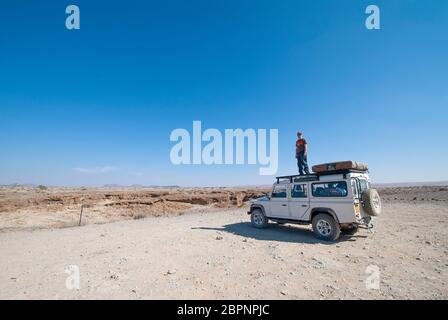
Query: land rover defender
(333, 201)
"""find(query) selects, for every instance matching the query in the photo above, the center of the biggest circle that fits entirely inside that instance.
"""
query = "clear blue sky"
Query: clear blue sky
(97, 105)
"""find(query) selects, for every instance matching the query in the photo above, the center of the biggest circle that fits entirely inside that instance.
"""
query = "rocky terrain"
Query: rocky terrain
(420, 194)
(26, 207)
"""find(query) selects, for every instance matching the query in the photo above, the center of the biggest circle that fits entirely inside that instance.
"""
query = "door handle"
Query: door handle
(284, 205)
(304, 205)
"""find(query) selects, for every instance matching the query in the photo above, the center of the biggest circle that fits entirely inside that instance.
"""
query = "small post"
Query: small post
(80, 215)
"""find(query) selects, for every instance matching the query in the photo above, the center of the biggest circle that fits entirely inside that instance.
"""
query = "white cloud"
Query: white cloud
(96, 170)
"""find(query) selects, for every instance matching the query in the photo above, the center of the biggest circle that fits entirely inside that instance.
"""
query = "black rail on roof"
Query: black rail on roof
(316, 175)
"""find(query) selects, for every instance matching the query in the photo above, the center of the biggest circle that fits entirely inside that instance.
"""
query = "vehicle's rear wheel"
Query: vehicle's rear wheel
(258, 219)
(325, 227)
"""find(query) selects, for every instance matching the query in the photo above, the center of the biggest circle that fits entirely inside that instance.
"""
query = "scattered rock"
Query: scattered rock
(332, 287)
(114, 277)
(318, 264)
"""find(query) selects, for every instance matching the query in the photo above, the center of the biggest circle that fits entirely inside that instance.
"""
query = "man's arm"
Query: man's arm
(305, 148)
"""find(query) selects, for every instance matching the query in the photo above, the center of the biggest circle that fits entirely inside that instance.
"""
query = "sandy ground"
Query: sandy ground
(215, 253)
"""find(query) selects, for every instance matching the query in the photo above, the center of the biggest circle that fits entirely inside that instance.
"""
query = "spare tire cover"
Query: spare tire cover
(372, 202)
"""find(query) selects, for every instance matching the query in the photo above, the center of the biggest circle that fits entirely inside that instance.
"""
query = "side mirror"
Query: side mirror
(268, 195)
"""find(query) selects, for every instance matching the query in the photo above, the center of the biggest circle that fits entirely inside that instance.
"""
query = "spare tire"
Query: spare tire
(372, 202)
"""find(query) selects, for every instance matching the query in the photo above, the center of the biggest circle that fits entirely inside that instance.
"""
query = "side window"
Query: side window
(279, 191)
(299, 191)
(363, 185)
(330, 189)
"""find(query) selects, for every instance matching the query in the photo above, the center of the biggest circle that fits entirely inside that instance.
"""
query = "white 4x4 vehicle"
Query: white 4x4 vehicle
(331, 201)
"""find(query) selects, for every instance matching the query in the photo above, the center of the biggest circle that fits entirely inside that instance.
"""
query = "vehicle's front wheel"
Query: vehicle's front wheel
(325, 227)
(258, 219)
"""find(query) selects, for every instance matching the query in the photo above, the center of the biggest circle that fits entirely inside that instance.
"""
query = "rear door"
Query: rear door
(299, 202)
(279, 201)
(359, 185)
(356, 196)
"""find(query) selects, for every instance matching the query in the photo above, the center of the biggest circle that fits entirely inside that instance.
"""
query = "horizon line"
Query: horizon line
(137, 185)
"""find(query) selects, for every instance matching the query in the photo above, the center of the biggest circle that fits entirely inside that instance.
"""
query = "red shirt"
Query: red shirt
(300, 145)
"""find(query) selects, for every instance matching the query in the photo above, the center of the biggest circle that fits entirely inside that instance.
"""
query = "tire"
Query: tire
(258, 219)
(372, 202)
(325, 227)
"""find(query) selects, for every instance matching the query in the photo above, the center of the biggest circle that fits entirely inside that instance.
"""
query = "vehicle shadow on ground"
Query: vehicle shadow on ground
(275, 232)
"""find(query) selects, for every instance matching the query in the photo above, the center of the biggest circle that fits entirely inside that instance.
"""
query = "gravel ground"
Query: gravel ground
(217, 254)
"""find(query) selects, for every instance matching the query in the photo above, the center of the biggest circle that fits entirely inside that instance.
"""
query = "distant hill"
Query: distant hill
(410, 184)
(16, 185)
(139, 186)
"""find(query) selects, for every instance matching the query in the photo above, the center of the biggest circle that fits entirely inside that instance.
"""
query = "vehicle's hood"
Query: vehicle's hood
(264, 198)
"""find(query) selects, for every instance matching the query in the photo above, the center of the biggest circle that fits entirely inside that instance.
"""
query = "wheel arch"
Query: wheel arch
(257, 206)
(323, 210)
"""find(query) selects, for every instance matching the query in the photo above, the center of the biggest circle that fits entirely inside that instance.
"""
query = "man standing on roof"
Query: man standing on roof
(301, 154)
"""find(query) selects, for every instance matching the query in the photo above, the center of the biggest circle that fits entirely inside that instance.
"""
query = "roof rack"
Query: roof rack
(298, 177)
(316, 175)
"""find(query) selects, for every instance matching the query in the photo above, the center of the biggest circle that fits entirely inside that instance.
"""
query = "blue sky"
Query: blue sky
(97, 105)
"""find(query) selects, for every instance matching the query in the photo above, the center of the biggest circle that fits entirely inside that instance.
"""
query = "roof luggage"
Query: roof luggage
(340, 165)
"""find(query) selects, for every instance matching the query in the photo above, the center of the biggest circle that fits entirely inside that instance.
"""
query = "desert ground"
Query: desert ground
(198, 244)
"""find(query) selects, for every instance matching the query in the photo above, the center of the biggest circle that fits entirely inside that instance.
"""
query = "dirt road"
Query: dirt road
(219, 255)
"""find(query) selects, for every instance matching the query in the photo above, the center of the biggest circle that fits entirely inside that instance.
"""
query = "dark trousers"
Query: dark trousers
(302, 164)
